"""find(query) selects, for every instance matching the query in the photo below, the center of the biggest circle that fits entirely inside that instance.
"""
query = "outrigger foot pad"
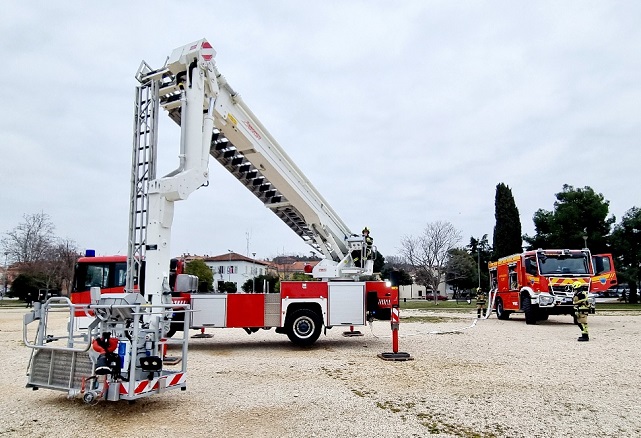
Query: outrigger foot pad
(353, 333)
(399, 357)
(203, 335)
(171, 360)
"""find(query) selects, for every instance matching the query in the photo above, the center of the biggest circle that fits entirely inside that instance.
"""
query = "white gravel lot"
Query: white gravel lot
(496, 379)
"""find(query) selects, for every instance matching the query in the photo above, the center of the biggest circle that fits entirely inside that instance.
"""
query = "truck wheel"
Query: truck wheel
(529, 310)
(542, 315)
(501, 313)
(304, 327)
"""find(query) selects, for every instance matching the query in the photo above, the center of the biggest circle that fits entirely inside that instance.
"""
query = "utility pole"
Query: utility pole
(254, 273)
(478, 253)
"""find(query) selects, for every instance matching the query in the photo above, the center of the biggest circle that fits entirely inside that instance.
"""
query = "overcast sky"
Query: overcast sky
(399, 112)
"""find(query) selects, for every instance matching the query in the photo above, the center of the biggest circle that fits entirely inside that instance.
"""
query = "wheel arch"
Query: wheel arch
(313, 305)
(530, 293)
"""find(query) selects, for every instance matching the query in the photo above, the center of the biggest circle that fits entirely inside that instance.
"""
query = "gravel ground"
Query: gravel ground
(493, 379)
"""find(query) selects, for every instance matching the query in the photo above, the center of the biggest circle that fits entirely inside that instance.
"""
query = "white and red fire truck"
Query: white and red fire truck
(538, 282)
(214, 121)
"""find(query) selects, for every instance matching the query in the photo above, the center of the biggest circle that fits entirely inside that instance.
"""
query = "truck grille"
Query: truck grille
(566, 291)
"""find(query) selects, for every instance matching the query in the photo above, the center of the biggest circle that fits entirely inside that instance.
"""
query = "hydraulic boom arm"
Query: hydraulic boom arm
(243, 146)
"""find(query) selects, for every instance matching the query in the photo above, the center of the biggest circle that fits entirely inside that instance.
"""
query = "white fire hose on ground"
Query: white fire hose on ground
(486, 315)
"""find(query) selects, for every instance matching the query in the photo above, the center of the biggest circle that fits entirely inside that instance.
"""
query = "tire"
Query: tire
(304, 327)
(529, 309)
(542, 315)
(171, 332)
(501, 313)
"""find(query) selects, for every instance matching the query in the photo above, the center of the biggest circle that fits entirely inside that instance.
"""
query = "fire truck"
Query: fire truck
(538, 283)
(214, 121)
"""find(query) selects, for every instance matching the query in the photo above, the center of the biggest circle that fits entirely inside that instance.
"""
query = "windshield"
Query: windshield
(103, 275)
(563, 264)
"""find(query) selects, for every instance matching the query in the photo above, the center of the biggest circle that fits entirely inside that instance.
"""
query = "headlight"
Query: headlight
(546, 300)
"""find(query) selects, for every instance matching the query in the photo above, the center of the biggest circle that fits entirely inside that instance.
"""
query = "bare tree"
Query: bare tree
(428, 253)
(34, 246)
(31, 240)
(57, 268)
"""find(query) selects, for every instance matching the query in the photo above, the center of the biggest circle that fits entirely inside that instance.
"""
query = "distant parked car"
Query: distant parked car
(438, 297)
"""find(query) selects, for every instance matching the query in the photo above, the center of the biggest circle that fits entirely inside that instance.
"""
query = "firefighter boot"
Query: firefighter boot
(584, 337)
(478, 313)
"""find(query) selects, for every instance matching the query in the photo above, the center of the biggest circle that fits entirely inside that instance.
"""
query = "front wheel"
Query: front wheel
(501, 313)
(304, 327)
(529, 309)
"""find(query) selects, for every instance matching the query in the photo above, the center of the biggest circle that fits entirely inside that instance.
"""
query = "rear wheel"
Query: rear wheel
(304, 327)
(501, 313)
(529, 309)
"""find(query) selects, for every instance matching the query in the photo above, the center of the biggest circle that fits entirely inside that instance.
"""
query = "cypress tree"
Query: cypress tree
(507, 237)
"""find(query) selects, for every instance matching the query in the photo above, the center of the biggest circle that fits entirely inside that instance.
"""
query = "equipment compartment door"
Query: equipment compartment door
(346, 304)
(208, 310)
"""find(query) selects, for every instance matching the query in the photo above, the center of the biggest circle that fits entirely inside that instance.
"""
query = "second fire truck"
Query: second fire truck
(538, 283)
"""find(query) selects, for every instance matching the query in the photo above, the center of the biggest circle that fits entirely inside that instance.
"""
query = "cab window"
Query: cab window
(97, 275)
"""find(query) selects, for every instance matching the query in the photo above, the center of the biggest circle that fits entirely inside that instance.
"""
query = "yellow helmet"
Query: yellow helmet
(576, 285)
(478, 289)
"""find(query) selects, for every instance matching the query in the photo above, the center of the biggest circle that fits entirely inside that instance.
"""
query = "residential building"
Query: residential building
(233, 267)
(418, 291)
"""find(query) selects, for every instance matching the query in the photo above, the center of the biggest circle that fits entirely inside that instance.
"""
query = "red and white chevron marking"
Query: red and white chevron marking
(395, 315)
(152, 385)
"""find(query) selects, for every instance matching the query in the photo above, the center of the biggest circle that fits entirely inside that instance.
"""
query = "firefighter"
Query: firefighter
(356, 255)
(481, 303)
(103, 354)
(581, 309)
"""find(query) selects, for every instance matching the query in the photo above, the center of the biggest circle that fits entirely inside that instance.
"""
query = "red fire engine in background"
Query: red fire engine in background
(537, 282)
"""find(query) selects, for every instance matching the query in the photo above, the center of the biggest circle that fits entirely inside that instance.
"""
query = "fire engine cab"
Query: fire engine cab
(214, 121)
(537, 283)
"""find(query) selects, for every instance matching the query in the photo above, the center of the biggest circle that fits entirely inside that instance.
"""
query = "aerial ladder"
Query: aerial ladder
(214, 121)
(244, 147)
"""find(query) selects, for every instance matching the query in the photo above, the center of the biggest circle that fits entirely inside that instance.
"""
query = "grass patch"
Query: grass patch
(442, 305)
(432, 319)
(434, 424)
(618, 306)
(11, 302)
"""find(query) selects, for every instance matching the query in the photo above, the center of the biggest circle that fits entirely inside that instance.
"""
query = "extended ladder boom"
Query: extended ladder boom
(243, 146)
(248, 151)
